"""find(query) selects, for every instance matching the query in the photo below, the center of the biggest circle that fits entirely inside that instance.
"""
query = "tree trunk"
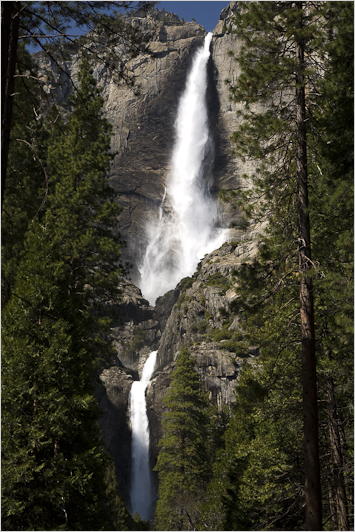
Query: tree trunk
(309, 377)
(337, 455)
(332, 510)
(9, 39)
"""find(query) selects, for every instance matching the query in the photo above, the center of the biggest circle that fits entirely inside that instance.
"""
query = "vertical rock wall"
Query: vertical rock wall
(144, 124)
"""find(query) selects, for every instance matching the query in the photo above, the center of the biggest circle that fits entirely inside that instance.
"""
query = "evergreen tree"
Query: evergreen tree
(46, 24)
(257, 479)
(284, 61)
(26, 176)
(54, 463)
(184, 460)
(333, 239)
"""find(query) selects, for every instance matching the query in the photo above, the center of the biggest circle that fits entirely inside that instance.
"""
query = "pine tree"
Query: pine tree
(184, 459)
(54, 462)
(283, 62)
(277, 37)
(46, 25)
(332, 214)
(27, 181)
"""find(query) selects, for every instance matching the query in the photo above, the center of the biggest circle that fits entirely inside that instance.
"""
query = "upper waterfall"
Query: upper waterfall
(186, 227)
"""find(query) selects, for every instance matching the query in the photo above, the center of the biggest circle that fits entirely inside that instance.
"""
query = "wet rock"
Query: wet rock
(114, 422)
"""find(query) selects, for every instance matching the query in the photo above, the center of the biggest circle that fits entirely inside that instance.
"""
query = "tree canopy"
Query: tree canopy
(52, 26)
(293, 94)
(55, 467)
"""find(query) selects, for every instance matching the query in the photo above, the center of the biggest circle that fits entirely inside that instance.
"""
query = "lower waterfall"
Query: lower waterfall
(186, 226)
(141, 492)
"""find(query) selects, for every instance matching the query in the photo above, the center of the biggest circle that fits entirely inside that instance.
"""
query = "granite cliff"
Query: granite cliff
(143, 125)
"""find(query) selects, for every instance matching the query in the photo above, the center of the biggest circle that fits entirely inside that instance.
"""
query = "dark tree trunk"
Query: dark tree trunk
(309, 376)
(331, 498)
(9, 39)
(337, 455)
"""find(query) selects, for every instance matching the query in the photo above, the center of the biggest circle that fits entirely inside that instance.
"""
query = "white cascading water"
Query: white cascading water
(186, 228)
(141, 492)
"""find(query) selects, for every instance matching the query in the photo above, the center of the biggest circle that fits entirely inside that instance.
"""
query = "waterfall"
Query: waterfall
(141, 492)
(185, 229)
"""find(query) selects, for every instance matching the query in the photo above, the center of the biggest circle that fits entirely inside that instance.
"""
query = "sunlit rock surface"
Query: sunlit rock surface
(143, 125)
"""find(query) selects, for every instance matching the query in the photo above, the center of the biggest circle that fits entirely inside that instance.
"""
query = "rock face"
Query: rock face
(143, 126)
(203, 319)
(199, 312)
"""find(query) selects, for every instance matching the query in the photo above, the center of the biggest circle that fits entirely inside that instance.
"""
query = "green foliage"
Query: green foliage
(224, 312)
(186, 283)
(202, 326)
(333, 238)
(139, 524)
(186, 449)
(219, 280)
(248, 485)
(231, 338)
(220, 334)
(180, 300)
(55, 471)
(258, 477)
(116, 514)
(27, 180)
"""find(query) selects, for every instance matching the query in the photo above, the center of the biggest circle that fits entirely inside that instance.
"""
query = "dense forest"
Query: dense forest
(281, 458)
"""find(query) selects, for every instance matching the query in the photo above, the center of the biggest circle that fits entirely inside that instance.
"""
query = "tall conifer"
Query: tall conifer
(282, 67)
(26, 174)
(184, 459)
(54, 465)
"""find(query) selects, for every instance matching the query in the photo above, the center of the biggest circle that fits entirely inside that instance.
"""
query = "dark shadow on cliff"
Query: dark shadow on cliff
(219, 164)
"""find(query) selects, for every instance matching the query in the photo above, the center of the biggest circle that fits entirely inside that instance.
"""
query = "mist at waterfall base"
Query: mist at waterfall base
(141, 490)
(185, 229)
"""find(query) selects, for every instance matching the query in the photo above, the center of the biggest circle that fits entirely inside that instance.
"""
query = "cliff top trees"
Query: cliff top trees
(54, 463)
